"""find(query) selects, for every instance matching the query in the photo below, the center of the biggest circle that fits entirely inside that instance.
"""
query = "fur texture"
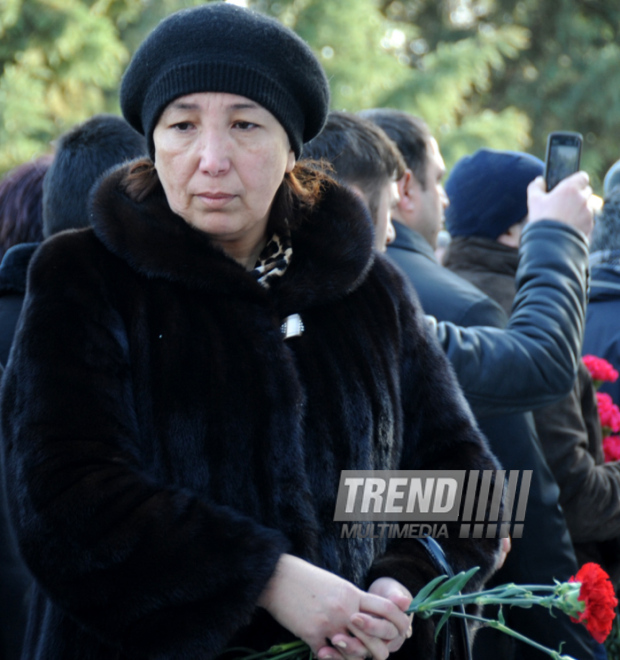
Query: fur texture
(164, 444)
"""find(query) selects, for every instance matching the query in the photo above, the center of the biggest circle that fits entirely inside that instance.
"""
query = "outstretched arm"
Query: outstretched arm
(533, 361)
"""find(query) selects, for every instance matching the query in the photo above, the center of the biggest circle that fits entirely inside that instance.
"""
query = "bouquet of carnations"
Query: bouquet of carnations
(587, 598)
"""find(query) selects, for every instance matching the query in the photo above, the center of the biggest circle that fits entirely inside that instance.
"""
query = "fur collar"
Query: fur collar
(332, 249)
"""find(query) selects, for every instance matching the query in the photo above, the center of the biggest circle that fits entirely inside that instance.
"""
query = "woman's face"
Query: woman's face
(221, 158)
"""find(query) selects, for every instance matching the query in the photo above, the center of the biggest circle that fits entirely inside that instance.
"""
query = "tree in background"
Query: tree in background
(59, 60)
(567, 78)
(375, 56)
(499, 73)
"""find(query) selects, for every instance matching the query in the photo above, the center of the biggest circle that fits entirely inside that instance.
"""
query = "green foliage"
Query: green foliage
(135, 26)
(500, 73)
(356, 45)
(378, 57)
(508, 129)
(58, 57)
(62, 62)
(441, 87)
(567, 77)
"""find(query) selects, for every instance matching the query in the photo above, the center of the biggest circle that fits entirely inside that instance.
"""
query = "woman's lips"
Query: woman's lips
(215, 199)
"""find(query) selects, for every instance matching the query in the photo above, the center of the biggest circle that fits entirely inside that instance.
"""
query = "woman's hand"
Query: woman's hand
(396, 593)
(505, 547)
(333, 616)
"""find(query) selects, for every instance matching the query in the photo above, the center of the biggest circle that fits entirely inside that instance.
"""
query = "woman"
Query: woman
(192, 374)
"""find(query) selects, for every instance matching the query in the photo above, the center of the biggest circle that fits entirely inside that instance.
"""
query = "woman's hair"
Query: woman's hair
(300, 191)
(21, 209)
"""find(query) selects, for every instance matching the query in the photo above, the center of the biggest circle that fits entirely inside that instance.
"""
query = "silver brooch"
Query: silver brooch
(292, 326)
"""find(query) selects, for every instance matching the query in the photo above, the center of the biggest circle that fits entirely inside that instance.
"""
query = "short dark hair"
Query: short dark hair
(21, 191)
(606, 233)
(83, 155)
(411, 135)
(359, 153)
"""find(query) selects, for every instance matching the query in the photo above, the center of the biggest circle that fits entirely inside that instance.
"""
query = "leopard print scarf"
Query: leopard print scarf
(274, 259)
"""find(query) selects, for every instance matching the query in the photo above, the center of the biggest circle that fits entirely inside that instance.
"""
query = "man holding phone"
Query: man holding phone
(487, 214)
(488, 193)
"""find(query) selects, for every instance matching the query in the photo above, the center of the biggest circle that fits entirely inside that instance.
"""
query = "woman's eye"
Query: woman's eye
(244, 125)
(182, 125)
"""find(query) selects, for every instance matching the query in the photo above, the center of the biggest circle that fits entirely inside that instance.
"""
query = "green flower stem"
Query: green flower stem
(442, 595)
(502, 627)
(520, 596)
(475, 599)
(296, 650)
(291, 651)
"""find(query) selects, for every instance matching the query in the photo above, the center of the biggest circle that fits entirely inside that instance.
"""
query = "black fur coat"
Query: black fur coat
(164, 444)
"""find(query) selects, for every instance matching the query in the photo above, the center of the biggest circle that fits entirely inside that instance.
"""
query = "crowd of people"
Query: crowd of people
(212, 306)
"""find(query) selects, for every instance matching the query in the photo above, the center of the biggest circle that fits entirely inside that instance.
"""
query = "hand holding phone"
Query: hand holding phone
(563, 156)
(568, 203)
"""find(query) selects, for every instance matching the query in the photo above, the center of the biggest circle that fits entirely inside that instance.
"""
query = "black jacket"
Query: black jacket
(545, 552)
(13, 271)
(466, 306)
(164, 444)
(541, 350)
(15, 580)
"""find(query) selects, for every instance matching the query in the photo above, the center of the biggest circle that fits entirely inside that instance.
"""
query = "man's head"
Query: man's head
(606, 233)
(363, 158)
(422, 198)
(612, 178)
(83, 154)
(488, 194)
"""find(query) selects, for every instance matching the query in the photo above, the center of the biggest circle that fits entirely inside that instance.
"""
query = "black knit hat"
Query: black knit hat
(220, 47)
(488, 192)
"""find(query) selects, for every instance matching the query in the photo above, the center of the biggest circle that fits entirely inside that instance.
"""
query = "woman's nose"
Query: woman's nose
(214, 154)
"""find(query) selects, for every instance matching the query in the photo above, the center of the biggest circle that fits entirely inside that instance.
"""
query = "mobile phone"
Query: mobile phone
(563, 156)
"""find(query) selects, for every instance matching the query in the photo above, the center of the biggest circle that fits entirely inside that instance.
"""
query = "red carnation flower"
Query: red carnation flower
(608, 413)
(600, 370)
(611, 448)
(600, 601)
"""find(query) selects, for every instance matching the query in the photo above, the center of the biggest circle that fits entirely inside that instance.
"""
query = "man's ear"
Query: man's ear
(512, 236)
(406, 192)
